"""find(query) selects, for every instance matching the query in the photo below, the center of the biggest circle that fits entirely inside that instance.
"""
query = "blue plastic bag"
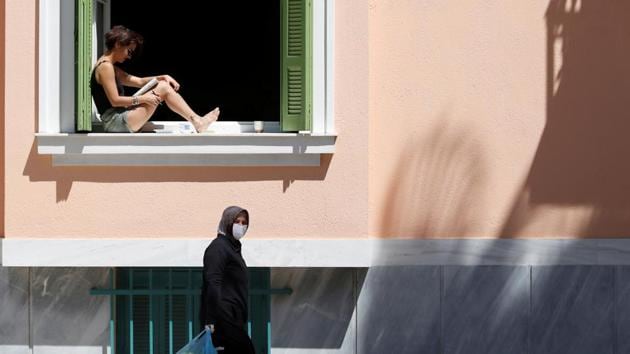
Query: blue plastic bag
(201, 344)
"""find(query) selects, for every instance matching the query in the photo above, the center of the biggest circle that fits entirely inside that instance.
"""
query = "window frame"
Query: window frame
(56, 121)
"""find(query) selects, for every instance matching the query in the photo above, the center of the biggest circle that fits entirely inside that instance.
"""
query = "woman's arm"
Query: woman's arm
(106, 76)
(129, 80)
(135, 81)
(214, 261)
(174, 84)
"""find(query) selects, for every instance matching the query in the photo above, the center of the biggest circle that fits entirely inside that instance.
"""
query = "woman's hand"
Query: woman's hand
(174, 84)
(150, 98)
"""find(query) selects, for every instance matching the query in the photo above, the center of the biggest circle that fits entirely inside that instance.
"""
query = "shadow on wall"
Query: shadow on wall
(494, 309)
(398, 310)
(39, 168)
(411, 306)
(581, 160)
(436, 186)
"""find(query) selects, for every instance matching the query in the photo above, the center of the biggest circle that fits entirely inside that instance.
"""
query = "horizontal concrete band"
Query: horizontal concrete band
(501, 252)
(28, 252)
(33, 252)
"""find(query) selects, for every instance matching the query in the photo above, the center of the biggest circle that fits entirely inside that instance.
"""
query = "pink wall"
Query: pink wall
(46, 201)
(2, 91)
(484, 124)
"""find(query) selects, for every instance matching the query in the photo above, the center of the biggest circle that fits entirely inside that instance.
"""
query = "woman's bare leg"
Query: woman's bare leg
(176, 103)
(138, 116)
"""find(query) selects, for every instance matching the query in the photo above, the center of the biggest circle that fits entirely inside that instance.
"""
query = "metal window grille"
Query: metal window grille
(155, 310)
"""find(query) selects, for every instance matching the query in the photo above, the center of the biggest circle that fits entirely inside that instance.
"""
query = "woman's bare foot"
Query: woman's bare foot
(200, 123)
(213, 115)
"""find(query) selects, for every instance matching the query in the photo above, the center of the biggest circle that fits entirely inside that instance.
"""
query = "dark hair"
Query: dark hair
(124, 36)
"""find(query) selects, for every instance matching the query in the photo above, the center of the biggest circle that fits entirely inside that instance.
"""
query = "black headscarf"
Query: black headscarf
(229, 215)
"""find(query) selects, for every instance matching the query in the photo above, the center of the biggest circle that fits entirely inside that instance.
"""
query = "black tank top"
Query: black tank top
(98, 92)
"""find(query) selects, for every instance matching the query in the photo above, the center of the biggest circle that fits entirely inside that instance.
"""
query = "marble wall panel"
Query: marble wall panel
(399, 310)
(14, 331)
(485, 309)
(572, 310)
(318, 317)
(64, 312)
(622, 308)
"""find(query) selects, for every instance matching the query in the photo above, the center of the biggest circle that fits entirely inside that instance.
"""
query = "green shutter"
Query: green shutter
(83, 37)
(296, 66)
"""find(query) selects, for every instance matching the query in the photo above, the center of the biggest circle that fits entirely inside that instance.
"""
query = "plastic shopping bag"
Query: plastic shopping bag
(201, 344)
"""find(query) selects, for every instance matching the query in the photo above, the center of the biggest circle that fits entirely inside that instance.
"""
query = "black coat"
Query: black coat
(225, 283)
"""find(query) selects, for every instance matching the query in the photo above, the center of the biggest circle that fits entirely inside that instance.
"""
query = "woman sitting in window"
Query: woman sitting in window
(124, 114)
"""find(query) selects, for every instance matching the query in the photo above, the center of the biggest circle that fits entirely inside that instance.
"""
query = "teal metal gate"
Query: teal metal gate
(155, 310)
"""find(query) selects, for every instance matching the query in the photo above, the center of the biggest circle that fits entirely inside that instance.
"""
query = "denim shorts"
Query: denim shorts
(115, 120)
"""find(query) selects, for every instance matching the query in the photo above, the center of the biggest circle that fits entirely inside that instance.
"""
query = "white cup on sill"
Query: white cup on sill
(258, 126)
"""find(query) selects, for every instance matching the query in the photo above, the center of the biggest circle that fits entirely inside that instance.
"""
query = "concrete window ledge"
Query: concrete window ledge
(177, 148)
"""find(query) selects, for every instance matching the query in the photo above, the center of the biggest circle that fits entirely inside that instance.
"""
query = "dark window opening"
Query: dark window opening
(224, 54)
(100, 9)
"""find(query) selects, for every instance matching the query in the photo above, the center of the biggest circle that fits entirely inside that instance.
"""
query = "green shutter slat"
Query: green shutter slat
(83, 64)
(296, 66)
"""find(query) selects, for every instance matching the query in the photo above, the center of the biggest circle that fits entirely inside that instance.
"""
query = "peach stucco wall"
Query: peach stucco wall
(484, 124)
(2, 86)
(486, 119)
(46, 201)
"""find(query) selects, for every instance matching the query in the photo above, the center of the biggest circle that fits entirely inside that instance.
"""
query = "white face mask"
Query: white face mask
(238, 231)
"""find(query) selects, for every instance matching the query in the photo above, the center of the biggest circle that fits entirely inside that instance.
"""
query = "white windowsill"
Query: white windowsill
(174, 144)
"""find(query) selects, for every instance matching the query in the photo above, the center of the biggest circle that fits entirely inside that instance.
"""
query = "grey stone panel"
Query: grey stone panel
(64, 312)
(14, 306)
(485, 309)
(319, 312)
(399, 310)
(572, 310)
(622, 308)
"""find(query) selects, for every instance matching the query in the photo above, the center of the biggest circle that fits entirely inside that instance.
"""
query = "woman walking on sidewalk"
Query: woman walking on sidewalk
(225, 285)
